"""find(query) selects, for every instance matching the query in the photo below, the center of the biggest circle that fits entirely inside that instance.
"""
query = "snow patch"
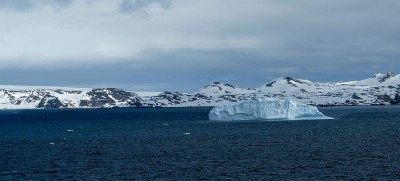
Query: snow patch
(146, 94)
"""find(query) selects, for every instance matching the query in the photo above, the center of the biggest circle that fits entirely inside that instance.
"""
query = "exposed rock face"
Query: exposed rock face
(396, 100)
(355, 96)
(384, 77)
(108, 97)
(384, 98)
(50, 102)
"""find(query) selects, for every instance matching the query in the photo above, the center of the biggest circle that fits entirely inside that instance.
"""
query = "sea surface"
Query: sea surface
(362, 143)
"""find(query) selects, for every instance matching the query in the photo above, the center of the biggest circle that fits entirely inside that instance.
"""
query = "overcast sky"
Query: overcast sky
(186, 44)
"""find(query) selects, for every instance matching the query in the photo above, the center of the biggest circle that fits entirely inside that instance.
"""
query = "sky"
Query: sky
(183, 45)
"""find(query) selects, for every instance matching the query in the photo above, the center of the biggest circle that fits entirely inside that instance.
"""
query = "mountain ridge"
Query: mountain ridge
(379, 89)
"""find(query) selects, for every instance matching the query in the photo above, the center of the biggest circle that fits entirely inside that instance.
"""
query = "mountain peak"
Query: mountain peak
(219, 84)
(288, 78)
(221, 88)
(383, 76)
(291, 80)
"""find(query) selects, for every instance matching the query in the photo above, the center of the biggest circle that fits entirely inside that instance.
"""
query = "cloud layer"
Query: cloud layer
(183, 44)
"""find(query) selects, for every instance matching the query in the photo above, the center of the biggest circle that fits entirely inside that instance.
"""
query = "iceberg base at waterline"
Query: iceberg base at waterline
(270, 109)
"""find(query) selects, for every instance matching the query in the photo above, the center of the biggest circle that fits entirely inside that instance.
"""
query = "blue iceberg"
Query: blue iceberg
(266, 109)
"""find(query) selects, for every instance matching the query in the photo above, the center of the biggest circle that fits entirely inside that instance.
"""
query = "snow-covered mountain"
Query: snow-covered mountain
(48, 97)
(380, 89)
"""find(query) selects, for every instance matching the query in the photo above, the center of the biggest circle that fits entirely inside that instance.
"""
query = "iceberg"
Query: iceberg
(266, 109)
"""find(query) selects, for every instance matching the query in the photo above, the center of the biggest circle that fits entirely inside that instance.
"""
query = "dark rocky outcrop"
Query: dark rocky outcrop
(173, 98)
(109, 96)
(384, 98)
(270, 84)
(50, 102)
(355, 96)
(385, 77)
(396, 100)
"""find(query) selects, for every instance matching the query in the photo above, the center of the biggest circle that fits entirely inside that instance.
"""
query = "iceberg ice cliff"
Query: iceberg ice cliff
(266, 109)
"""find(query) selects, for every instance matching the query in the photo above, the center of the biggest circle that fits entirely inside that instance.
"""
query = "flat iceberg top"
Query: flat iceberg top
(266, 109)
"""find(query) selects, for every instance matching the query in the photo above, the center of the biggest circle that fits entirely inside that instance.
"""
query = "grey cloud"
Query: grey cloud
(61, 3)
(128, 6)
(19, 6)
(189, 70)
(182, 50)
(28, 5)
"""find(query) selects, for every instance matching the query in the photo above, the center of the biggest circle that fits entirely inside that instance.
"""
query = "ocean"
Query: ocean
(362, 143)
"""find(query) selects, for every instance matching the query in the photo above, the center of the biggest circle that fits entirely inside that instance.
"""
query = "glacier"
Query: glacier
(265, 109)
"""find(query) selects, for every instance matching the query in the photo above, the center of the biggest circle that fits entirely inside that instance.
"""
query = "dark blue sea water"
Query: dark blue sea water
(362, 143)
